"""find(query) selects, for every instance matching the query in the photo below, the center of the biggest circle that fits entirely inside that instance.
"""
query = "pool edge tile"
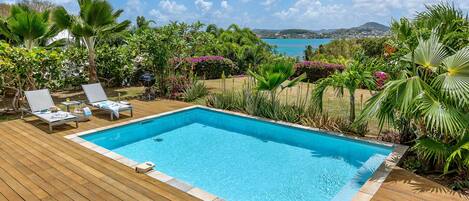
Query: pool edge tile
(159, 176)
(183, 186)
(201, 194)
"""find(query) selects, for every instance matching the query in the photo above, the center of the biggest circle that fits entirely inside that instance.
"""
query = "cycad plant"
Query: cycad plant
(433, 94)
(96, 19)
(354, 77)
(274, 77)
(28, 27)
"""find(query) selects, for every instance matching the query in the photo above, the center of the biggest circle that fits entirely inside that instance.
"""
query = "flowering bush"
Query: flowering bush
(315, 69)
(207, 67)
(381, 78)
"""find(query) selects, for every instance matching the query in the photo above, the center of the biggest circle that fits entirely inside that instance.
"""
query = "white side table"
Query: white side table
(70, 103)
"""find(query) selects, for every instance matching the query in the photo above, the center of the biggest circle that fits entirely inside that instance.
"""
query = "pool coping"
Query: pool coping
(365, 193)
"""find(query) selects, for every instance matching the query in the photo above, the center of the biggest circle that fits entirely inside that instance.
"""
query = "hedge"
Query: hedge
(316, 70)
(206, 67)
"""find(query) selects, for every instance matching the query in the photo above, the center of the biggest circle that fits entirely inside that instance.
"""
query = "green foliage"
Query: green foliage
(76, 62)
(96, 18)
(351, 79)
(114, 64)
(256, 103)
(309, 53)
(24, 69)
(195, 91)
(28, 27)
(451, 26)
(206, 67)
(274, 76)
(242, 46)
(316, 70)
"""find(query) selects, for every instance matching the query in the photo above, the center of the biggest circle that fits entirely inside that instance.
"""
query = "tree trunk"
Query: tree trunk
(352, 107)
(92, 73)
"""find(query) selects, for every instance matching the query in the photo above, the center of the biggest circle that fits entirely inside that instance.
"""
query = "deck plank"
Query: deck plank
(37, 165)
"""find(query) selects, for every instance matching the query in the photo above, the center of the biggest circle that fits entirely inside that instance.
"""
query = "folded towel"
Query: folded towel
(86, 112)
(111, 105)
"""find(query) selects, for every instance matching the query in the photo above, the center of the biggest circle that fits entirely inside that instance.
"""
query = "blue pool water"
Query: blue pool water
(243, 159)
(295, 47)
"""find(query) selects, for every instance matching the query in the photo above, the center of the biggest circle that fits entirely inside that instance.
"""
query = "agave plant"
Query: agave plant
(274, 77)
(96, 18)
(433, 94)
(28, 27)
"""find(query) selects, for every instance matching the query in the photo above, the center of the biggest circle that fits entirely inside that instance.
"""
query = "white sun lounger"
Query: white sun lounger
(98, 99)
(40, 101)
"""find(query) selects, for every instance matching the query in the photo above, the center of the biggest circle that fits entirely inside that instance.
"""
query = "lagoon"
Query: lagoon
(295, 47)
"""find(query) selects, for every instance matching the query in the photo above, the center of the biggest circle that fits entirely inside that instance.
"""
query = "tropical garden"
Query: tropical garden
(415, 81)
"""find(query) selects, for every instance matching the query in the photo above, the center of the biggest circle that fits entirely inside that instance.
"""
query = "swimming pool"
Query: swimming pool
(241, 158)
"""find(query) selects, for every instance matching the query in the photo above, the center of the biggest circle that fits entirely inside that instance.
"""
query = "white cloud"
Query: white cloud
(268, 3)
(310, 10)
(224, 4)
(172, 7)
(203, 5)
(158, 15)
(134, 5)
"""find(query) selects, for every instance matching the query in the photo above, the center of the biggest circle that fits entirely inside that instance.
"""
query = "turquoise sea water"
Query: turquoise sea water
(295, 47)
(241, 159)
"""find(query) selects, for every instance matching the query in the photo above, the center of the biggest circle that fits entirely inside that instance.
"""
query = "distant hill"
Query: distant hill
(373, 26)
(369, 29)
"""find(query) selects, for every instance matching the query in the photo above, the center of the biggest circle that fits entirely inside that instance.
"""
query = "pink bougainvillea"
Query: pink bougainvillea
(381, 78)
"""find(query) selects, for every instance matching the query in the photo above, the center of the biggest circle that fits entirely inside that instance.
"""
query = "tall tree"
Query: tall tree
(96, 18)
(351, 79)
(28, 27)
(309, 53)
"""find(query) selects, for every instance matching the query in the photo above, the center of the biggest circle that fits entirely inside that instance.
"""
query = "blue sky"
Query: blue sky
(272, 14)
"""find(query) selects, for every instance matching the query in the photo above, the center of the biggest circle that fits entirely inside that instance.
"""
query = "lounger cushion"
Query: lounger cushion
(54, 117)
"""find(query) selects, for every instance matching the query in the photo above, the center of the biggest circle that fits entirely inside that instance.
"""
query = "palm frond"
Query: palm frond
(431, 150)
(439, 116)
(460, 153)
(454, 83)
(428, 54)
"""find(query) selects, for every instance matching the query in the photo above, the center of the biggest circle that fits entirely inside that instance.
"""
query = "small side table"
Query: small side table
(70, 103)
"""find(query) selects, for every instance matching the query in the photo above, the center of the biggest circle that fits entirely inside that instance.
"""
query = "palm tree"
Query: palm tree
(351, 79)
(433, 94)
(274, 76)
(28, 27)
(143, 23)
(96, 18)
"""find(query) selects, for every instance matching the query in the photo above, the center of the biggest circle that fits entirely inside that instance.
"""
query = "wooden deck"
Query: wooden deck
(37, 165)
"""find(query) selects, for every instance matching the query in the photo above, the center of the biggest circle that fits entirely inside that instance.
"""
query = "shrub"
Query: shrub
(207, 67)
(76, 61)
(174, 86)
(316, 70)
(28, 69)
(114, 65)
(195, 91)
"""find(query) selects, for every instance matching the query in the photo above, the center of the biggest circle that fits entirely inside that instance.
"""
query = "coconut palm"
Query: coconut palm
(274, 77)
(96, 18)
(351, 79)
(28, 27)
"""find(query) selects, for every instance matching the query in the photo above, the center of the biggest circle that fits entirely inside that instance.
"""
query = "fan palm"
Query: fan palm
(274, 76)
(351, 79)
(96, 18)
(433, 93)
(28, 27)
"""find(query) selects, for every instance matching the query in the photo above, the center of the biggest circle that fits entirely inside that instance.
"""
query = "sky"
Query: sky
(270, 14)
